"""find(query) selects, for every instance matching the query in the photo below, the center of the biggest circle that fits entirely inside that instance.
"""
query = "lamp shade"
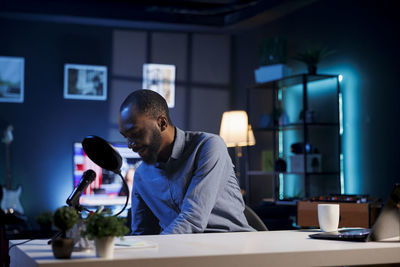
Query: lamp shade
(235, 129)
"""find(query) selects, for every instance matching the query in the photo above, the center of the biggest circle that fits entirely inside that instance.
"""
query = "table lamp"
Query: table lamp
(236, 132)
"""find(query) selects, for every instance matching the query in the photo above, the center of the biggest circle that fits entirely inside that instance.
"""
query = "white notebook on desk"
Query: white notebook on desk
(135, 242)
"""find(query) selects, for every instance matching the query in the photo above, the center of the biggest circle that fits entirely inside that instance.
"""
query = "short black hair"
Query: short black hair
(147, 102)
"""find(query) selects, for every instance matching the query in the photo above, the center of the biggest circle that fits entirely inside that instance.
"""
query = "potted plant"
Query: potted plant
(64, 219)
(312, 56)
(102, 227)
(45, 221)
(273, 58)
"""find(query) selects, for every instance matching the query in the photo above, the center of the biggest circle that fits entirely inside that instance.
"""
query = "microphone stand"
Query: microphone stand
(79, 227)
(75, 232)
(83, 243)
(80, 243)
(126, 189)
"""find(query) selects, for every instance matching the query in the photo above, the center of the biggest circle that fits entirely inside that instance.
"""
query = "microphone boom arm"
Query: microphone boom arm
(127, 190)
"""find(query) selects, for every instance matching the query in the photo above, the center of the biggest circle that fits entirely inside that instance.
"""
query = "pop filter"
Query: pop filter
(102, 153)
(105, 156)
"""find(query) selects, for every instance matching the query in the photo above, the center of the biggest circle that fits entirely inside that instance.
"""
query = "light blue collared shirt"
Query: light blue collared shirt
(195, 191)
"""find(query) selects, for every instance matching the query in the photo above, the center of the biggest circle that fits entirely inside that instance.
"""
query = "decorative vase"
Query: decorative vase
(62, 247)
(105, 247)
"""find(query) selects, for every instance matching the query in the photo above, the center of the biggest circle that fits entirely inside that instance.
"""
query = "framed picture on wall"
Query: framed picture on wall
(87, 82)
(160, 78)
(12, 79)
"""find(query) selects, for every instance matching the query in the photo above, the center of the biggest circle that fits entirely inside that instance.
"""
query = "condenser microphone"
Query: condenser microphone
(87, 178)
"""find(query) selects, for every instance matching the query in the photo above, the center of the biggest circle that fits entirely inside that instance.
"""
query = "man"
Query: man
(186, 183)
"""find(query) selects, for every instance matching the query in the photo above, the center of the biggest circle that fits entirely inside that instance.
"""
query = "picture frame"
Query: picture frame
(85, 82)
(12, 79)
(161, 79)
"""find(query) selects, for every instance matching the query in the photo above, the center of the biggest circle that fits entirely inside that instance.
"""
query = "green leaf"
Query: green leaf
(103, 224)
(65, 218)
(314, 55)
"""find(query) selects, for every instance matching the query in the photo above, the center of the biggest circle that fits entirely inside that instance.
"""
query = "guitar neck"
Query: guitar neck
(8, 166)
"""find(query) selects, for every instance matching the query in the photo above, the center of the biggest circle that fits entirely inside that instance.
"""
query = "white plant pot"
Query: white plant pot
(105, 247)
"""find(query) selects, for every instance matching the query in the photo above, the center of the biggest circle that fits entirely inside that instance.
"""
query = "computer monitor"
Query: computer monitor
(107, 190)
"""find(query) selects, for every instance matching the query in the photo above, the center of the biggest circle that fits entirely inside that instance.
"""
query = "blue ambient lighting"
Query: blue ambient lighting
(60, 185)
(281, 180)
(280, 149)
(342, 191)
(352, 172)
(341, 113)
(319, 98)
(293, 185)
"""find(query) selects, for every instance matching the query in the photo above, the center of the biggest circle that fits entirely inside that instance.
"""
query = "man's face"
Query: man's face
(142, 133)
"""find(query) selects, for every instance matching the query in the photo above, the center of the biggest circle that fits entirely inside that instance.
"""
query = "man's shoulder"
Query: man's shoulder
(198, 138)
(193, 136)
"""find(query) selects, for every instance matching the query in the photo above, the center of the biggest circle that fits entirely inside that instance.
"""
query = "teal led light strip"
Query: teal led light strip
(340, 114)
(341, 135)
(280, 149)
(341, 175)
(281, 184)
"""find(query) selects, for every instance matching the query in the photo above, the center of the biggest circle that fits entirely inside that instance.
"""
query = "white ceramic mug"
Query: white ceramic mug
(328, 217)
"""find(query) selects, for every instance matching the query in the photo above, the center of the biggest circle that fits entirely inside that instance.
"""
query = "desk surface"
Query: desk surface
(273, 248)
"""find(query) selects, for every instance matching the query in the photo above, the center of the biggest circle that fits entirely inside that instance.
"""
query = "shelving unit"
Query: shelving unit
(319, 134)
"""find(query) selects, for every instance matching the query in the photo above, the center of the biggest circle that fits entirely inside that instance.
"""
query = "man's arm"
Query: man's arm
(210, 176)
(143, 220)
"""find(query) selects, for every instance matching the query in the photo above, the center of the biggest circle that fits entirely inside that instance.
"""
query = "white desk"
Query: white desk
(274, 248)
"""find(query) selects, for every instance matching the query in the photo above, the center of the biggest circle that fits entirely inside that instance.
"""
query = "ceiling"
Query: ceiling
(216, 13)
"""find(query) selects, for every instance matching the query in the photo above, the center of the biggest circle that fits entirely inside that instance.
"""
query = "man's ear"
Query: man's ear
(162, 122)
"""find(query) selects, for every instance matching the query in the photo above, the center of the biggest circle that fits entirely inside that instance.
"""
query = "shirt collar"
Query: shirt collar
(177, 149)
(179, 143)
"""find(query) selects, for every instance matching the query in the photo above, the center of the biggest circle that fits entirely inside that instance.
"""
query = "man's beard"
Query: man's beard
(153, 148)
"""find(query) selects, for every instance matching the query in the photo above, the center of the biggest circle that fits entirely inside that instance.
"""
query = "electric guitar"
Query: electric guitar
(10, 202)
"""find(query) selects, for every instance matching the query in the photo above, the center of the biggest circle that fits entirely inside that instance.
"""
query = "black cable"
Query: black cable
(21, 243)
(127, 195)
(58, 234)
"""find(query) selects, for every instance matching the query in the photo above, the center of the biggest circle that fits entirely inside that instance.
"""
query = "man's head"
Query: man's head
(144, 121)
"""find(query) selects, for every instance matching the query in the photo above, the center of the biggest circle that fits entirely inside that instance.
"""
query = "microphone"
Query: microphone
(87, 178)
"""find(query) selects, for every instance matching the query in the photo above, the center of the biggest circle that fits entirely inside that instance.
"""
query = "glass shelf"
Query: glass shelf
(287, 173)
(291, 81)
(297, 125)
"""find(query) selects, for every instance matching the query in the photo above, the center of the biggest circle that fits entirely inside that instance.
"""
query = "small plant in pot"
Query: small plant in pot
(45, 221)
(273, 58)
(273, 51)
(64, 219)
(103, 228)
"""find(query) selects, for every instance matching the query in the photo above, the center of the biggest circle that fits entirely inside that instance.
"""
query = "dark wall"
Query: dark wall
(46, 124)
(363, 34)
(367, 45)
